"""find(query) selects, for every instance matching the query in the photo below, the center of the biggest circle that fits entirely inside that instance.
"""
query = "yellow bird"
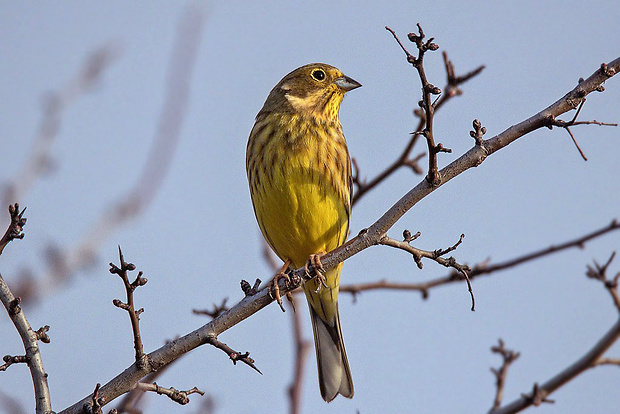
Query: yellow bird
(299, 172)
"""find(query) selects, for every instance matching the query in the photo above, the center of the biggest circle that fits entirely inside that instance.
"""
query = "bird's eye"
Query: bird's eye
(318, 74)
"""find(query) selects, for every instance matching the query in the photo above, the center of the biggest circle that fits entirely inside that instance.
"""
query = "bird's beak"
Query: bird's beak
(347, 83)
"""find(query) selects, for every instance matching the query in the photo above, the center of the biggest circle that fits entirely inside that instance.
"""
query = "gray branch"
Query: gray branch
(30, 338)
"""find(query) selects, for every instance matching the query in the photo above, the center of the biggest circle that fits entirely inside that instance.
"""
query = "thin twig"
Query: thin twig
(405, 160)
(480, 269)
(217, 310)
(436, 256)
(13, 359)
(508, 357)
(573, 122)
(16, 226)
(607, 361)
(130, 287)
(599, 273)
(30, 338)
(428, 102)
(232, 354)
(540, 392)
(181, 397)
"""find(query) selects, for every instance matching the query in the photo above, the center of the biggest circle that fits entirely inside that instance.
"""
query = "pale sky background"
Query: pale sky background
(199, 236)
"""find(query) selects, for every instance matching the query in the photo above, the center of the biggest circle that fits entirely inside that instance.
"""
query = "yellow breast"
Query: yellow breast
(300, 182)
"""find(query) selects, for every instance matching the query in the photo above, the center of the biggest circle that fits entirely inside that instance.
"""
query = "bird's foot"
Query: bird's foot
(274, 289)
(314, 262)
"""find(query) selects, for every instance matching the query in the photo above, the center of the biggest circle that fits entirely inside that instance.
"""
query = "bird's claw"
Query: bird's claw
(315, 262)
(274, 291)
(274, 288)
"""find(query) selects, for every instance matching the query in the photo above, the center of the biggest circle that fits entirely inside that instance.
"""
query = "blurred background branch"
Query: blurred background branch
(64, 262)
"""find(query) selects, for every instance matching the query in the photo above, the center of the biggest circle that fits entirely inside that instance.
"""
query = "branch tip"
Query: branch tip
(232, 354)
(42, 334)
(249, 290)
(478, 132)
(16, 226)
(217, 309)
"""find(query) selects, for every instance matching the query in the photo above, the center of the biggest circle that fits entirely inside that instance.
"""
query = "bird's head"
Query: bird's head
(316, 90)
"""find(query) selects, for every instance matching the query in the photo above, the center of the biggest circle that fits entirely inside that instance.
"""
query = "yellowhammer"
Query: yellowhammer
(299, 173)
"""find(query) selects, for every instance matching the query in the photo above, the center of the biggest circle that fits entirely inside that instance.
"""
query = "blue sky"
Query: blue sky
(198, 237)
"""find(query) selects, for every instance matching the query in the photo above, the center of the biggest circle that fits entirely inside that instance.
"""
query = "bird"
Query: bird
(299, 174)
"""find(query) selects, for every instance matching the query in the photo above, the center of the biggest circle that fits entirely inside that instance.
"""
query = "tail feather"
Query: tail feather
(334, 373)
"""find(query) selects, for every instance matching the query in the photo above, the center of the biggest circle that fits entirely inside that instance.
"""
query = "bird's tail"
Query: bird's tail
(334, 373)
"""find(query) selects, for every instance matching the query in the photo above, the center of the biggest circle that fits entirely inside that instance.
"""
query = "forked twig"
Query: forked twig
(232, 354)
(16, 226)
(508, 357)
(428, 102)
(436, 256)
(480, 269)
(451, 89)
(573, 122)
(134, 314)
(181, 397)
(589, 360)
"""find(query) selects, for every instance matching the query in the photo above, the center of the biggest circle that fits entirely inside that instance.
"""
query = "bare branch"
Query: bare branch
(30, 339)
(453, 80)
(217, 310)
(589, 360)
(234, 355)
(435, 255)
(14, 231)
(405, 160)
(599, 273)
(474, 157)
(508, 357)
(593, 358)
(181, 397)
(607, 361)
(428, 102)
(130, 287)
(566, 125)
(480, 269)
(10, 360)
